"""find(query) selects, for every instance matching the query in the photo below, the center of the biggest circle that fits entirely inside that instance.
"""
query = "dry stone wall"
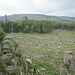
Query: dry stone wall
(12, 61)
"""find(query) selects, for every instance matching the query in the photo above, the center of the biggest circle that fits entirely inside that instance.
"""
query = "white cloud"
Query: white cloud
(68, 12)
(58, 13)
(54, 7)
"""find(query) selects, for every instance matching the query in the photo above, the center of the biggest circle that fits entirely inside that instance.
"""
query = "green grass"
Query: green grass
(46, 50)
(2, 68)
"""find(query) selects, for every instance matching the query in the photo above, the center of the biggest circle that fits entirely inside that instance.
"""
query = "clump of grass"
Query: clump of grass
(50, 70)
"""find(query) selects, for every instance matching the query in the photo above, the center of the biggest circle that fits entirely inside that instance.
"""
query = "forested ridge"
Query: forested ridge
(15, 17)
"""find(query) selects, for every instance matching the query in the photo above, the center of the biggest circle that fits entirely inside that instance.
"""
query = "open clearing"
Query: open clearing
(46, 50)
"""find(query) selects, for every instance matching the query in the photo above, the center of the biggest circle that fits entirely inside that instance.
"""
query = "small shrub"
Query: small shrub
(2, 34)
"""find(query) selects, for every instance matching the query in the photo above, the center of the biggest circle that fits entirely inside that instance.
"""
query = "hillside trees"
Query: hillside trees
(36, 26)
(5, 18)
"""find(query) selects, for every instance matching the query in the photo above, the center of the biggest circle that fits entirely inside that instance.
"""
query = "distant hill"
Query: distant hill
(15, 17)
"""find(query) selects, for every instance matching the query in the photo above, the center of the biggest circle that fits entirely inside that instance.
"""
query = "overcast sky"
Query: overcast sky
(47, 7)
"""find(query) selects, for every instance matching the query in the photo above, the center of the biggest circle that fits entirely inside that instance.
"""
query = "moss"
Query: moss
(14, 73)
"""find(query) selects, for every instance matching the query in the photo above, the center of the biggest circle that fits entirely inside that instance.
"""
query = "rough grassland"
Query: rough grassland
(46, 50)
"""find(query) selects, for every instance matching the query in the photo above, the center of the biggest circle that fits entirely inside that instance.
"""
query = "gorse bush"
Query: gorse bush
(2, 34)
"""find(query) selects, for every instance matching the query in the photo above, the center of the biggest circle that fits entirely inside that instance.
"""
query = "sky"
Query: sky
(46, 7)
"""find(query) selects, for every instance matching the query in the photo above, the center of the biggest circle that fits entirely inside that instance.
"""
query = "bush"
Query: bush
(2, 34)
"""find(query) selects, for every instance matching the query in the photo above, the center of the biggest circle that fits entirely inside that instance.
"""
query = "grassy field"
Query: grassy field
(46, 50)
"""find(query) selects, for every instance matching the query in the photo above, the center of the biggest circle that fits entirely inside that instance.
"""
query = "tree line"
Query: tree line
(36, 26)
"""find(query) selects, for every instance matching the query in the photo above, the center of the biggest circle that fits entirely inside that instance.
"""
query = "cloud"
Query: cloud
(68, 12)
(8, 7)
(52, 7)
